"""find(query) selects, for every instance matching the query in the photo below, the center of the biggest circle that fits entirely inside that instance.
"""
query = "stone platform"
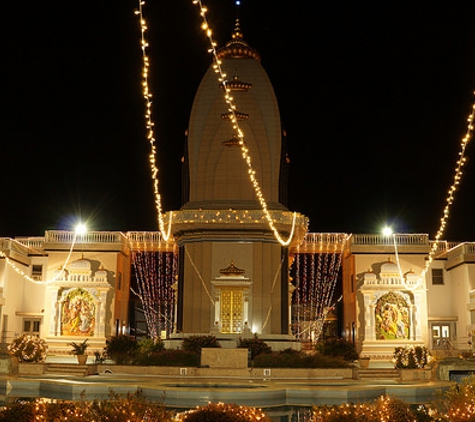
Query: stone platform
(187, 387)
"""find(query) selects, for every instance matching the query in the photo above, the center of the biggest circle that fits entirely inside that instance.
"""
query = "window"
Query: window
(437, 276)
(37, 272)
(31, 326)
(442, 335)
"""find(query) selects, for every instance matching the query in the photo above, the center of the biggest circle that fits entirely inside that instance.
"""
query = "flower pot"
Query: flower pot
(364, 363)
(82, 359)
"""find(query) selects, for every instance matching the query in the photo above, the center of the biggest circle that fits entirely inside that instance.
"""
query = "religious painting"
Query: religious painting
(78, 313)
(392, 317)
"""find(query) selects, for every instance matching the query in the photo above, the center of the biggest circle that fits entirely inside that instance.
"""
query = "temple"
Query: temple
(223, 271)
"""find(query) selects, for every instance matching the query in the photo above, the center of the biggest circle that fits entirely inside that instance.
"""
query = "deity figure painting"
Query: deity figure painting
(78, 314)
(392, 317)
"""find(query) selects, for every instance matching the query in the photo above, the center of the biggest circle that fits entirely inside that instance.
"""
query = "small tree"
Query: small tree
(121, 349)
(338, 347)
(196, 343)
(256, 345)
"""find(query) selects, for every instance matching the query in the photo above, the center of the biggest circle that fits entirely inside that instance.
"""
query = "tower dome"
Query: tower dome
(80, 265)
(218, 177)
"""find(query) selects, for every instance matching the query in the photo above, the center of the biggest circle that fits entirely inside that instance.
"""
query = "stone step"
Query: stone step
(70, 369)
(379, 374)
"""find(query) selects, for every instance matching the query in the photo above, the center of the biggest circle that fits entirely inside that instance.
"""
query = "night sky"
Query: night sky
(373, 95)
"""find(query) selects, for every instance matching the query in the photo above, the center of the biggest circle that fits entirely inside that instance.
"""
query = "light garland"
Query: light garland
(269, 312)
(234, 120)
(21, 273)
(448, 206)
(200, 277)
(453, 188)
(316, 275)
(150, 124)
(28, 348)
(155, 275)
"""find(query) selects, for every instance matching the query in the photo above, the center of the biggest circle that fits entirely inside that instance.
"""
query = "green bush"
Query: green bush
(255, 345)
(411, 357)
(338, 347)
(196, 343)
(145, 349)
(28, 348)
(295, 359)
(122, 349)
(172, 358)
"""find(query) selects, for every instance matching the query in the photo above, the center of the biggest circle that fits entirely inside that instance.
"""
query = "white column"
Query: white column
(368, 318)
(55, 317)
(101, 306)
(246, 308)
(412, 328)
(217, 309)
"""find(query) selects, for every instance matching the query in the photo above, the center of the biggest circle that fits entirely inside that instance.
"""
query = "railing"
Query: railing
(461, 249)
(393, 282)
(234, 216)
(32, 242)
(144, 237)
(149, 241)
(381, 240)
(13, 245)
(322, 243)
(60, 236)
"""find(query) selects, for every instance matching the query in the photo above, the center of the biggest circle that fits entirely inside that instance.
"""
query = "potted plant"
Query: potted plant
(79, 349)
(364, 362)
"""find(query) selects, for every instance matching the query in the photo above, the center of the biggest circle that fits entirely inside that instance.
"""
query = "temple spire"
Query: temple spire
(237, 47)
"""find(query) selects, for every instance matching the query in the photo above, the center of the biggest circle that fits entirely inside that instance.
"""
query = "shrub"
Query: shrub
(411, 357)
(221, 412)
(172, 358)
(147, 346)
(132, 408)
(22, 411)
(121, 349)
(338, 347)
(255, 345)
(457, 403)
(28, 348)
(383, 409)
(196, 343)
(294, 359)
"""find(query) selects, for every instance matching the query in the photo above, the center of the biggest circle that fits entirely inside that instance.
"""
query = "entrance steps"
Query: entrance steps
(72, 369)
(379, 374)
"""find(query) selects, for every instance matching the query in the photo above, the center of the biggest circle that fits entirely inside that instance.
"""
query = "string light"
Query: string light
(451, 192)
(448, 206)
(457, 178)
(240, 135)
(24, 275)
(150, 125)
(316, 272)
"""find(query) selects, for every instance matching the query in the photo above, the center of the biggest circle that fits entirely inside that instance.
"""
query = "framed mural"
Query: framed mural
(392, 317)
(78, 313)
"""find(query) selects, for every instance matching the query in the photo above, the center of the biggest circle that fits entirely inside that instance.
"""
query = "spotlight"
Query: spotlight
(81, 229)
(387, 231)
